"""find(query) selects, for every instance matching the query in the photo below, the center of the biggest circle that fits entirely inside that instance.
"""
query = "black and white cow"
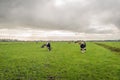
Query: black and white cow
(43, 45)
(48, 45)
(83, 46)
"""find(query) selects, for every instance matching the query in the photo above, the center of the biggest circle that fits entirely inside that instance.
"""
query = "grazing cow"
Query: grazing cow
(43, 45)
(83, 47)
(48, 45)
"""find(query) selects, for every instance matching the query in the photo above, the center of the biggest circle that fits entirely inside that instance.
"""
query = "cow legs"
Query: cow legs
(83, 50)
(49, 49)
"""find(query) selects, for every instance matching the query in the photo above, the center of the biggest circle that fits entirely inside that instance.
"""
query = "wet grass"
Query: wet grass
(27, 61)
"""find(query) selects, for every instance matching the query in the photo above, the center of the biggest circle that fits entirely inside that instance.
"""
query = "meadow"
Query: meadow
(112, 44)
(28, 61)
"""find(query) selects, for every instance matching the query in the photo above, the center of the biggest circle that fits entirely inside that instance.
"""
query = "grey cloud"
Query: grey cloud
(43, 14)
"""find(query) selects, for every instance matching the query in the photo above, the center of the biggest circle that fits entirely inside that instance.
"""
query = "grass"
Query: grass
(112, 44)
(27, 61)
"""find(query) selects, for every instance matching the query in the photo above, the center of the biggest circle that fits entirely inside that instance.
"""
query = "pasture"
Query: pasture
(28, 61)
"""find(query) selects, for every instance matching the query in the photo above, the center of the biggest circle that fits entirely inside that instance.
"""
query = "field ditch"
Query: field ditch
(115, 49)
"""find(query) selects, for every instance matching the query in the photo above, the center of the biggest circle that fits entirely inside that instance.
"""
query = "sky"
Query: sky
(60, 19)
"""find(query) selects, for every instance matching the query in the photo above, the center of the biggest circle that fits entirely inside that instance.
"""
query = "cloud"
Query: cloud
(83, 16)
(31, 34)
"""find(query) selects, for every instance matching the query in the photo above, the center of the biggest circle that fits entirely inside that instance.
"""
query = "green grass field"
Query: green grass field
(27, 61)
(113, 44)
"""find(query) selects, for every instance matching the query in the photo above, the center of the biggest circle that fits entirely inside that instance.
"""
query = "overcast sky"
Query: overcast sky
(60, 19)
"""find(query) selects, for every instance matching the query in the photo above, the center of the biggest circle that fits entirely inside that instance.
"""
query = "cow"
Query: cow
(48, 45)
(83, 46)
(43, 45)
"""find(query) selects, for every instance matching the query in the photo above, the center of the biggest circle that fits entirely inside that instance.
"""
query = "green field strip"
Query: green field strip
(27, 61)
(109, 47)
